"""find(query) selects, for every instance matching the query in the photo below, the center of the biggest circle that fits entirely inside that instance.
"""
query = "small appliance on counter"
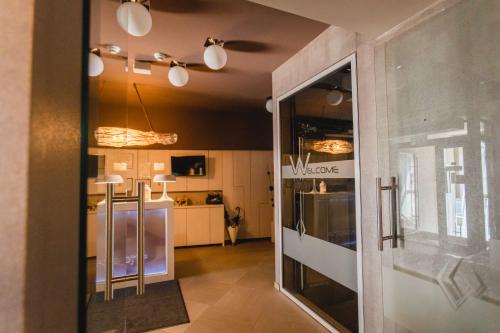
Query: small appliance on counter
(214, 198)
(182, 201)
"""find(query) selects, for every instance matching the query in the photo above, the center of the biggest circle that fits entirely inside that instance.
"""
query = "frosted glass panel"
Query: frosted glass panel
(125, 243)
(439, 133)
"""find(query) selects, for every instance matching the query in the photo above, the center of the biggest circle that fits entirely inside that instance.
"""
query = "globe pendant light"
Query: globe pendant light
(215, 56)
(134, 17)
(96, 65)
(269, 104)
(334, 97)
(178, 75)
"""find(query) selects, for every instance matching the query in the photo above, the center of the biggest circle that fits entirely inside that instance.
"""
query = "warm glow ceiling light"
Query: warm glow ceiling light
(178, 74)
(332, 146)
(134, 17)
(124, 137)
(215, 56)
(96, 65)
(269, 104)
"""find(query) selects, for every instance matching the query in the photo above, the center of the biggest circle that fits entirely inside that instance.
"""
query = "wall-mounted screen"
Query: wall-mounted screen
(188, 165)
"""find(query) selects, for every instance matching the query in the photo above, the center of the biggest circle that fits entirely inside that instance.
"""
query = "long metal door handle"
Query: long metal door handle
(394, 213)
(110, 280)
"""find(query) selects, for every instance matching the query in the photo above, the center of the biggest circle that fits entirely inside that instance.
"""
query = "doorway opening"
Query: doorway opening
(318, 205)
(180, 219)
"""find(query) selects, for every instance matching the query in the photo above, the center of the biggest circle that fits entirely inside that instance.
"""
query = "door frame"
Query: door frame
(277, 185)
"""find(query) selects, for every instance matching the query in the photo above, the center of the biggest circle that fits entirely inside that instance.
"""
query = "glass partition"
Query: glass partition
(439, 134)
(318, 191)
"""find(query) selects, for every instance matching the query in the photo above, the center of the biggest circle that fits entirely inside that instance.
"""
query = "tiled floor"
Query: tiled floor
(230, 289)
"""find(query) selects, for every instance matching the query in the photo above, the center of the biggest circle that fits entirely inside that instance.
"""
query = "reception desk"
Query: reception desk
(158, 242)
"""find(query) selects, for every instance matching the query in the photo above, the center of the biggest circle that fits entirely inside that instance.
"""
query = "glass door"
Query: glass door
(439, 137)
(318, 151)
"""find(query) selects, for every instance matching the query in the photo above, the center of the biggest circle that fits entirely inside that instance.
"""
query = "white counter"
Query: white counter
(158, 242)
(199, 206)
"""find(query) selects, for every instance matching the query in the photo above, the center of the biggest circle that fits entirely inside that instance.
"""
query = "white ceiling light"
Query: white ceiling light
(96, 65)
(334, 97)
(215, 56)
(269, 104)
(134, 17)
(178, 75)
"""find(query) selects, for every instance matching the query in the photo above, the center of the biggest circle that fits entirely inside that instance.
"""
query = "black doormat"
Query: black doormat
(162, 305)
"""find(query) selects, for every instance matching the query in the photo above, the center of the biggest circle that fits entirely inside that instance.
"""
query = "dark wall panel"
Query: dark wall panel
(196, 129)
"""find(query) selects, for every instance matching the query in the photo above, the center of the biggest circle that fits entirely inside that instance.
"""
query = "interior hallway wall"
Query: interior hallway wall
(14, 138)
(331, 46)
(40, 108)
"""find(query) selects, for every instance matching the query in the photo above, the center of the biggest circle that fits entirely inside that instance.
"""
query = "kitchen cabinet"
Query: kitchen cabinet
(217, 225)
(198, 226)
(180, 227)
(91, 234)
(215, 170)
(241, 175)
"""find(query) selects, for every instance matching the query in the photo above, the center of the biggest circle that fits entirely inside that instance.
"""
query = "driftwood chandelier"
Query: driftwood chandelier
(126, 137)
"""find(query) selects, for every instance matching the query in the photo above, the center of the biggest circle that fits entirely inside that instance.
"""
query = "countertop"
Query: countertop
(200, 206)
(150, 204)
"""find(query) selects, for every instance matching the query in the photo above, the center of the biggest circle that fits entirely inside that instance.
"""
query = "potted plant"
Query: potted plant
(233, 224)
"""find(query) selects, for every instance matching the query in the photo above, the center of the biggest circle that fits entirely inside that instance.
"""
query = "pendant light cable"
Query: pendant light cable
(143, 107)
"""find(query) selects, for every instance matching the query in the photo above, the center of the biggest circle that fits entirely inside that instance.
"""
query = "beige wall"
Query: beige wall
(15, 69)
(328, 48)
(40, 146)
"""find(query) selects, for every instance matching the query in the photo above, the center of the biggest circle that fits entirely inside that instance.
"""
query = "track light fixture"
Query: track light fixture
(160, 56)
(178, 74)
(113, 49)
(96, 65)
(215, 56)
(134, 17)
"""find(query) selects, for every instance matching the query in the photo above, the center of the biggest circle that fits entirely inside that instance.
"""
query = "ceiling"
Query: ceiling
(369, 17)
(312, 101)
(258, 39)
